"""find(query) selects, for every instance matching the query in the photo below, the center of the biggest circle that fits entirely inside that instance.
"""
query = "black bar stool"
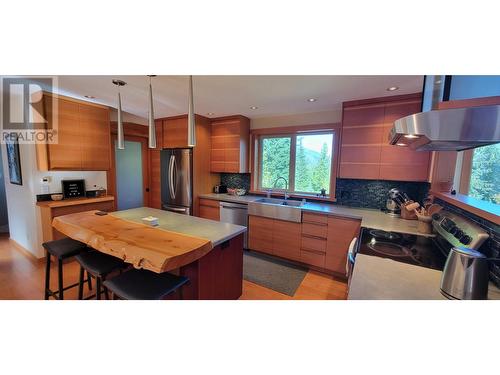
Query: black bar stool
(144, 285)
(61, 249)
(99, 266)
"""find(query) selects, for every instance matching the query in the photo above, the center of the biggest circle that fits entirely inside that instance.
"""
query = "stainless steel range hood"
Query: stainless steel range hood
(448, 129)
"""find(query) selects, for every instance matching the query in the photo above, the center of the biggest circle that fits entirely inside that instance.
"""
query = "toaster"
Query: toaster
(220, 189)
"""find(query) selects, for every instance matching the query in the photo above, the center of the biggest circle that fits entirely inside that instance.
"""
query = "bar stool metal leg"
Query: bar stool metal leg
(98, 288)
(80, 283)
(60, 277)
(89, 280)
(47, 276)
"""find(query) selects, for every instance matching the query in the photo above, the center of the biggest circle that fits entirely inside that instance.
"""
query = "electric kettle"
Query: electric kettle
(465, 274)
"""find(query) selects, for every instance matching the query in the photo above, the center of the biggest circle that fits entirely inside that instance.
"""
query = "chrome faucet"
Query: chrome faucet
(286, 185)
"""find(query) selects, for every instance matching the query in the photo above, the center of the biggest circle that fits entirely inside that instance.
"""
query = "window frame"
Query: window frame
(292, 132)
(464, 172)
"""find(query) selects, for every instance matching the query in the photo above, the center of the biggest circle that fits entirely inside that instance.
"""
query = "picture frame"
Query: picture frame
(14, 162)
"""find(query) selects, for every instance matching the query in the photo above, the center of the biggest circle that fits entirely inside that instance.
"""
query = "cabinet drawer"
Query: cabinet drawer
(209, 202)
(314, 230)
(311, 243)
(314, 218)
(312, 258)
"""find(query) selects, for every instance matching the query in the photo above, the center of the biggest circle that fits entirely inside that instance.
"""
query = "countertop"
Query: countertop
(74, 201)
(370, 218)
(214, 231)
(179, 240)
(376, 278)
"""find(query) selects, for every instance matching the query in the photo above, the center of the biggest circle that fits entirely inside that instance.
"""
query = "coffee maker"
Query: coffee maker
(393, 203)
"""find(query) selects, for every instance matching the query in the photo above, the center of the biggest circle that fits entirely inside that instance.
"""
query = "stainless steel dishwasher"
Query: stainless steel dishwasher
(235, 213)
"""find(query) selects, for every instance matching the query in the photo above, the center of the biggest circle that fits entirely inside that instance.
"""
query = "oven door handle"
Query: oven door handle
(351, 255)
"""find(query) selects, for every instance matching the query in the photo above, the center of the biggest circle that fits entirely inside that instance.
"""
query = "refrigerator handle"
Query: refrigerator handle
(171, 164)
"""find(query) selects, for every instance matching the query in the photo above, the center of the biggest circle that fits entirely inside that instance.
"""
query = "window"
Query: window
(304, 160)
(485, 174)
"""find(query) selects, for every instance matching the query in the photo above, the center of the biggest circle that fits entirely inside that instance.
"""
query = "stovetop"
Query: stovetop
(406, 248)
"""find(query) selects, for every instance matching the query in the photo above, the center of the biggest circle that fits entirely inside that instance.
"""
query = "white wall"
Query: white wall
(326, 117)
(3, 202)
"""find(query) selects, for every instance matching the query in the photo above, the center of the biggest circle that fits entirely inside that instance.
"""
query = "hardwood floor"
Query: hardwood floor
(22, 277)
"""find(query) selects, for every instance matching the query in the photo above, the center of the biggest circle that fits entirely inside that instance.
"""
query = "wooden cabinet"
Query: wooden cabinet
(95, 140)
(320, 240)
(230, 139)
(276, 237)
(217, 275)
(83, 131)
(365, 151)
(260, 234)
(175, 131)
(209, 209)
(313, 240)
(341, 231)
(286, 239)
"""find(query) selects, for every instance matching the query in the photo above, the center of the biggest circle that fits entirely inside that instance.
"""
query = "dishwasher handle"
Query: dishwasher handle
(234, 206)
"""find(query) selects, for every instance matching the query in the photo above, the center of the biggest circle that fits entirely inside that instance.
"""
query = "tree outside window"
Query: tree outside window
(308, 172)
(485, 174)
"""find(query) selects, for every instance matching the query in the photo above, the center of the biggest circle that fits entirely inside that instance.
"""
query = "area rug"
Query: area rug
(273, 273)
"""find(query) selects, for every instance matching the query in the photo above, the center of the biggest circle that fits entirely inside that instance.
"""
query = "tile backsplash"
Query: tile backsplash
(236, 180)
(491, 247)
(373, 193)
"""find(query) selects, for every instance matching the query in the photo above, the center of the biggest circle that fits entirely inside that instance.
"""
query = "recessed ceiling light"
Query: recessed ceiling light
(401, 144)
(210, 113)
(90, 97)
(311, 100)
(392, 88)
(411, 136)
(253, 107)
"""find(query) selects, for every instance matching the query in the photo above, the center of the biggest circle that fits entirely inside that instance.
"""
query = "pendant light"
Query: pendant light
(191, 119)
(121, 138)
(151, 118)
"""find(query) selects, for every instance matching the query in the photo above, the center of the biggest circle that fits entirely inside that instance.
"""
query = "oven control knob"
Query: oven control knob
(436, 217)
(458, 233)
(466, 239)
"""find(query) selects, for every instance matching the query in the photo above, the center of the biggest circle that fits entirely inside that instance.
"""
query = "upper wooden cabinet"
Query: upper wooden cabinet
(230, 138)
(83, 136)
(175, 131)
(365, 150)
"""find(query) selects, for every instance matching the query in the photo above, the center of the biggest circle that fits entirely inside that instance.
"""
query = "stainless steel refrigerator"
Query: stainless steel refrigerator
(177, 180)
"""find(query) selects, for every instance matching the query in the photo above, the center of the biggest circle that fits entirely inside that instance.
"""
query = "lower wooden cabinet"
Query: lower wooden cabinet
(286, 239)
(260, 234)
(218, 275)
(320, 240)
(341, 231)
(209, 209)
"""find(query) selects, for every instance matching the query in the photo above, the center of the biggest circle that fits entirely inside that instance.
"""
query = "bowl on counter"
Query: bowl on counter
(56, 197)
(239, 192)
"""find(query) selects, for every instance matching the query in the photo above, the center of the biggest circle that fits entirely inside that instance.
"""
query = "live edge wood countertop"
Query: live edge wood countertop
(178, 240)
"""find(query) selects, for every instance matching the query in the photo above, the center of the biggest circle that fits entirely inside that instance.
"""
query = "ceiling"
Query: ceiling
(229, 95)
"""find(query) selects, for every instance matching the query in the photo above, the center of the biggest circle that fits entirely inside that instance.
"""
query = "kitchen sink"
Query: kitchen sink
(274, 208)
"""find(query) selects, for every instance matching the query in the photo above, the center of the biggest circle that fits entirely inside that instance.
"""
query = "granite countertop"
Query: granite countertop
(376, 278)
(370, 218)
(214, 231)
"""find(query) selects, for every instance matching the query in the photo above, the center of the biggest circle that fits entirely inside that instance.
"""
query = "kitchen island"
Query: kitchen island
(209, 253)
